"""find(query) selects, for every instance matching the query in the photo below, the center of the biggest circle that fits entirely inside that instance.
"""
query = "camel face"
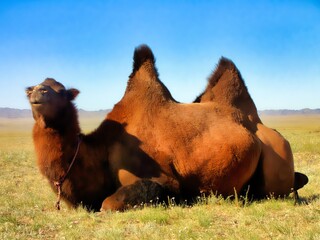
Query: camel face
(49, 98)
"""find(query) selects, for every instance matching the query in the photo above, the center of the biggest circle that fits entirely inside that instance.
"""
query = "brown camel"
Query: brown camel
(149, 146)
(86, 169)
(275, 172)
(205, 151)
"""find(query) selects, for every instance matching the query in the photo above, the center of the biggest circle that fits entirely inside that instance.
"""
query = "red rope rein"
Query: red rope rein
(59, 183)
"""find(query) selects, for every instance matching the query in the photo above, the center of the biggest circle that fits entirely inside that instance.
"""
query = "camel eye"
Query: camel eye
(43, 91)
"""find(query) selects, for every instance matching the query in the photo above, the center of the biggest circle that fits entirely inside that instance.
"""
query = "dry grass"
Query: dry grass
(27, 203)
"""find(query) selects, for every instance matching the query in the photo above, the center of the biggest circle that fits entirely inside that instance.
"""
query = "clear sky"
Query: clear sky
(89, 45)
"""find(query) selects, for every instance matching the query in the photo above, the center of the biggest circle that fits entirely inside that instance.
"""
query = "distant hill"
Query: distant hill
(305, 111)
(26, 113)
(101, 113)
(15, 113)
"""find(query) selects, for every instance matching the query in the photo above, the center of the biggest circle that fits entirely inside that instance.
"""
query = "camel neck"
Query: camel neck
(55, 149)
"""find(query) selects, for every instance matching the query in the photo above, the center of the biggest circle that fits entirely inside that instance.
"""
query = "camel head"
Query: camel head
(50, 99)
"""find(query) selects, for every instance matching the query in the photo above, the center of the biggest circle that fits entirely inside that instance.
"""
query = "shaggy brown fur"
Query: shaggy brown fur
(98, 171)
(275, 173)
(203, 150)
(149, 145)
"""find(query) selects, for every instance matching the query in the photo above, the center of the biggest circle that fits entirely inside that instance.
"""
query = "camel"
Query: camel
(275, 173)
(147, 148)
(204, 151)
(85, 169)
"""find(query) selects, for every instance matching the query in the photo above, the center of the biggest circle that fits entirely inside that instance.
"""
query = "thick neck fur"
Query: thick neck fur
(90, 179)
(55, 142)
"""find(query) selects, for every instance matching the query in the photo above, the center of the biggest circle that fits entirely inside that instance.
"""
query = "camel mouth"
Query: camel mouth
(37, 103)
(38, 100)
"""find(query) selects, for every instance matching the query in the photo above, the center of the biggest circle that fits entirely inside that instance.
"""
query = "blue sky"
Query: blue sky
(89, 45)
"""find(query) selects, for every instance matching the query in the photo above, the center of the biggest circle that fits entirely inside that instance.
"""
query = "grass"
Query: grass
(27, 203)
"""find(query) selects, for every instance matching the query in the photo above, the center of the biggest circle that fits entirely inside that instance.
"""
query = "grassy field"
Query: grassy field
(27, 204)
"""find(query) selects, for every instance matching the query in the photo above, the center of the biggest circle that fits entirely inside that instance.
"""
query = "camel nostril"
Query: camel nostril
(28, 93)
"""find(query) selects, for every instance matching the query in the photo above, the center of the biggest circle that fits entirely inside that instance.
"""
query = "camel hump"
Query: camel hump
(142, 54)
(144, 78)
(300, 180)
(224, 65)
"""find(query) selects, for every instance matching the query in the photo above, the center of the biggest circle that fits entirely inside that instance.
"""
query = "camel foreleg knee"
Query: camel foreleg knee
(139, 193)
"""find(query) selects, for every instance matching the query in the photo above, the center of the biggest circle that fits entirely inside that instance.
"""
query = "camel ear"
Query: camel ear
(72, 93)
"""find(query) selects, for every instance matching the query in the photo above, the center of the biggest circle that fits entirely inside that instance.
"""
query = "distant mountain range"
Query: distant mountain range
(26, 113)
(305, 111)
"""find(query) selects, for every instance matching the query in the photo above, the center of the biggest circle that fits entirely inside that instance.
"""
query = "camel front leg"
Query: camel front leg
(141, 192)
